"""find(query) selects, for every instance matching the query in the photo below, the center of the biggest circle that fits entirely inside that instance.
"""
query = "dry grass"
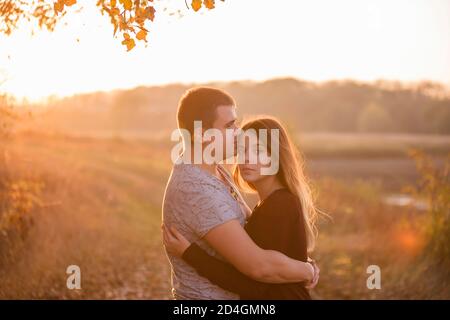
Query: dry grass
(364, 231)
(99, 208)
(97, 212)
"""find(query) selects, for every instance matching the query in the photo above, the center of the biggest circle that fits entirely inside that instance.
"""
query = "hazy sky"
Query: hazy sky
(316, 40)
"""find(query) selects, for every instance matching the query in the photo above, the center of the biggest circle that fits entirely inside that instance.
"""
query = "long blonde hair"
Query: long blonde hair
(290, 173)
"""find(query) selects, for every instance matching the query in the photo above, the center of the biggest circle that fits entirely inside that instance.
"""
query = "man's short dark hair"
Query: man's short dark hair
(200, 104)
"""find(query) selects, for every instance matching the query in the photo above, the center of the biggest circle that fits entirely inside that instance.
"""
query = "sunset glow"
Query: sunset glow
(364, 40)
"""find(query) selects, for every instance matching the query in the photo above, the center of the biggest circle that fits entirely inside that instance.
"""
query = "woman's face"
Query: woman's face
(256, 157)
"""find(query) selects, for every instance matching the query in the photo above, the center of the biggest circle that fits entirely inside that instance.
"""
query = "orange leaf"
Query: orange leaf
(141, 35)
(58, 6)
(115, 26)
(150, 13)
(129, 43)
(196, 4)
(127, 4)
(209, 4)
(70, 2)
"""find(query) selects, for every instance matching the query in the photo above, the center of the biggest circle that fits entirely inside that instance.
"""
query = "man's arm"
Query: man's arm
(223, 274)
(232, 242)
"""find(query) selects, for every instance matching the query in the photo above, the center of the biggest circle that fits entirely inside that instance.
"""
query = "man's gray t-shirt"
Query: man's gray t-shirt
(195, 202)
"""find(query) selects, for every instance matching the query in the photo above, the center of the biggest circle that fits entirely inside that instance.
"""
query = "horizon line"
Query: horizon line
(404, 84)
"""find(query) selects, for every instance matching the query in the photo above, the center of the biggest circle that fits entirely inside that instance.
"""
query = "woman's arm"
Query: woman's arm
(222, 273)
(233, 243)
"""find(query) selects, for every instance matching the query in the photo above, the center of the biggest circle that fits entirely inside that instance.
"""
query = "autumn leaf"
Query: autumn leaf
(129, 43)
(142, 35)
(127, 4)
(209, 4)
(116, 25)
(58, 6)
(70, 2)
(196, 4)
(150, 13)
(126, 16)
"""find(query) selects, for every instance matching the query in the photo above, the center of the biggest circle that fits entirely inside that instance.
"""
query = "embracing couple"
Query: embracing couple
(217, 247)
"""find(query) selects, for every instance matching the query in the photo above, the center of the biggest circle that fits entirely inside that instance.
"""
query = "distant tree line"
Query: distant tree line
(335, 106)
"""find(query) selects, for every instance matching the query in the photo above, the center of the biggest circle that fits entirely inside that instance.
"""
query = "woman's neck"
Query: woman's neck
(266, 186)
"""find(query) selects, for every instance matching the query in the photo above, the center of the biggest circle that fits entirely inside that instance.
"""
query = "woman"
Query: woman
(283, 220)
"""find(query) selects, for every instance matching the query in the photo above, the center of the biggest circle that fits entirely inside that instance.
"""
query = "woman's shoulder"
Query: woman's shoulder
(283, 194)
(283, 201)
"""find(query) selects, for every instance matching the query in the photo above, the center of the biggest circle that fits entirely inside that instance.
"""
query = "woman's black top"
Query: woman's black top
(276, 224)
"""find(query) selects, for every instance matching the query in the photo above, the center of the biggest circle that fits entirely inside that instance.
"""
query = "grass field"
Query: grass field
(99, 207)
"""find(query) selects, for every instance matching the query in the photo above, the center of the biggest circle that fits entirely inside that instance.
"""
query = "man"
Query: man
(203, 204)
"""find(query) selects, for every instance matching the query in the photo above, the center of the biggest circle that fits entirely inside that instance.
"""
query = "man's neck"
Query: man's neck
(211, 168)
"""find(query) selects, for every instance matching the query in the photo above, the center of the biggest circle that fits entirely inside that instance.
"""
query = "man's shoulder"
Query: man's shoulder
(189, 179)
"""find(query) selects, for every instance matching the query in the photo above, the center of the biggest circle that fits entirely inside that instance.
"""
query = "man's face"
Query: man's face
(226, 118)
